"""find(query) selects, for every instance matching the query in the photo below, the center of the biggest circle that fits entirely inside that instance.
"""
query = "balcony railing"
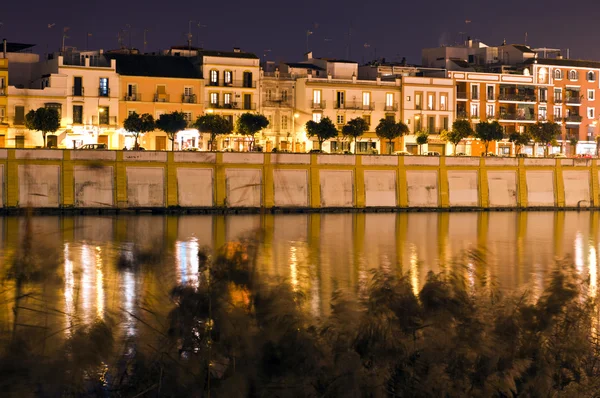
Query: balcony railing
(317, 105)
(355, 105)
(517, 97)
(188, 99)
(78, 91)
(133, 97)
(391, 108)
(514, 116)
(573, 119)
(103, 92)
(104, 120)
(2, 91)
(461, 95)
(276, 102)
(558, 100)
(162, 98)
(234, 83)
(461, 114)
(573, 100)
(232, 105)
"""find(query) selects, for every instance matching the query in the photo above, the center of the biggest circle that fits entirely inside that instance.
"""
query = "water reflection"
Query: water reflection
(316, 254)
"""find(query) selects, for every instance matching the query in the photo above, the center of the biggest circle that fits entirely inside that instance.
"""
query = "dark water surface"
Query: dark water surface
(83, 278)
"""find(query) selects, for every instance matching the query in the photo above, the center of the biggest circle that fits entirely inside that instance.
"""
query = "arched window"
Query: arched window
(591, 76)
(214, 77)
(557, 74)
(572, 75)
(228, 78)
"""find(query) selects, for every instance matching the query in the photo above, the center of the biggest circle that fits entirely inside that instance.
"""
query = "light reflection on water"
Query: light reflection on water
(315, 253)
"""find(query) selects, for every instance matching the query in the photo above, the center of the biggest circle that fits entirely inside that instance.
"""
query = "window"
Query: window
(490, 93)
(130, 112)
(340, 95)
(247, 82)
(543, 95)
(475, 111)
(557, 113)
(341, 119)
(161, 93)
(103, 90)
(131, 92)
(443, 102)
(389, 100)
(391, 118)
(78, 86)
(226, 99)
(573, 75)
(317, 117)
(557, 74)
(591, 95)
(77, 114)
(187, 116)
(417, 124)
(474, 92)
(284, 122)
(214, 78)
(2, 114)
(430, 101)
(268, 94)
(431, 124)
(247, 98)
(557, 95)
(188, 91)
(367, 119)
(227, 77)
(445, 122)
(591, 76)
(317, 97)
(542, 113)
(284, 96)
(366, 100)
(590, 113)
(2, 82)
(214, 98)
(56, 107)
(489, 112)
(103, 116)
(418, 101)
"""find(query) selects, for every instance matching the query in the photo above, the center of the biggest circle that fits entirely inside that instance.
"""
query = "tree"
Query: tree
(355, 128)
(422, 139)
(488, 132)
(323, 130)
(544, 133)
(388, 129)
(519, 139)
(45, 120)
(214, 125)
(573, 140)
(138, 125)
(250, 124)
(461, 129)
(171, 124)
(597, 139)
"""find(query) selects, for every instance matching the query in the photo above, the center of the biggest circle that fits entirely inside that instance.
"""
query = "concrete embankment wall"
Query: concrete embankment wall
(132, 180)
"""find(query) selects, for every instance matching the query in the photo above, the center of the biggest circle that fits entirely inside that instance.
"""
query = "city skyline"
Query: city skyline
(333, 29)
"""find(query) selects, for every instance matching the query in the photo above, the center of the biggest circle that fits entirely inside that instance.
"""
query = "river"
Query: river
(78, 273)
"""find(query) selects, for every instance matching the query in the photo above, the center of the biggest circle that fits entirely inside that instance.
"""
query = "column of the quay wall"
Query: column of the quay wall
(12, 180)
(484, 197)
(220, 187)
(268, 185)
(171, 173)
(401, 184)
(359, 183)
(522, 184)
(594, 189)
(315, 183)
(120, 181)
(559, 185)
(444, 198)
(66, 181)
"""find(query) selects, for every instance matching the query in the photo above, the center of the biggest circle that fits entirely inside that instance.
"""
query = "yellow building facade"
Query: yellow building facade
(158, 85)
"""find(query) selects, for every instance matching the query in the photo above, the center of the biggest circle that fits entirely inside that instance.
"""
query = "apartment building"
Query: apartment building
(3, 99)
(277, 103)
(158, 84)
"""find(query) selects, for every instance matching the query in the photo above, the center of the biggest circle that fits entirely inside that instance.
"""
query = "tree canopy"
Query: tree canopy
(488, 132)
(355, 128)
(388, 129)
(138, 125)
(250, 124)
(544, 133)
(42, 119)
(519, 140)
(422, 139)
(323, 130)
(171, 124)
(461, 129)
(214, 125)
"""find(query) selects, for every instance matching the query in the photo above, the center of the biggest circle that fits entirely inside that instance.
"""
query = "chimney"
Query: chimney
(4, 47)
(309, 55)
(236, 50)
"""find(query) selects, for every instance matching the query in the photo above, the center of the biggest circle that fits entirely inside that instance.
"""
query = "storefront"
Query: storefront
(188, 140)
(76, 136)
(586, 148)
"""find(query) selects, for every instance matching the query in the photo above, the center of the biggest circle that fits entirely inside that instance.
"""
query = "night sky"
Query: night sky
(276, 30)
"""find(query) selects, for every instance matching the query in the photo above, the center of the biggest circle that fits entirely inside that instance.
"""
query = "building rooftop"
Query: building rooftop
(523, 48)
(303, 66)
(226, 54)
(17, 47)
(155, 66)
(580, 63)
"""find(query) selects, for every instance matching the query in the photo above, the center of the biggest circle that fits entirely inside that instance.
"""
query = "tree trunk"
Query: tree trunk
(320, 145)
(135, 145)
(173, 144)
(354, 141)
(486, 145)
(389, 147)
(44, 137)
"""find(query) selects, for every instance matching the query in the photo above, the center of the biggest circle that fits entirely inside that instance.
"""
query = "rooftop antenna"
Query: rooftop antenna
(120, 38)
(145, 41)
(525, 38)
(87, 38)
(64, 36)
(128, 35)
(308, 33)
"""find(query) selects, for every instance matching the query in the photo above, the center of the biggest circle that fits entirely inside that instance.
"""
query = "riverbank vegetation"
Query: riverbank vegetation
(233, 333)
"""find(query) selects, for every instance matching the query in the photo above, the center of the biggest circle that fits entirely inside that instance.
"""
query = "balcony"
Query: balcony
(232, 105)
(78, 91)
(103, 92)
(461, 95)
(162, 98)
(573, 119)
(133, 97)
(461, 115)
(317, 105)
(573, 100)
(517, 97)
(558, 100)
(104, 120)
(355, 106)
(391, 108)
(515, 116)
(277, 102)
(234, 83)
(188, 99)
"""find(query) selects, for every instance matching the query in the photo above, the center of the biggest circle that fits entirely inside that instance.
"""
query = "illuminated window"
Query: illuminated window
(214, 98)
(227, 98)
(227, 77)
(490, 93)
(284, 122)
(430, 101)
(443, 102)
(557, 113)
(284, 95)
(418, 101)
(367, 119)
(316, 96)
(214, 77)
(591, 76)
(542, 113)
(474, 91)
(366, 99)
(557, 95)
(389, 100)
(490, 112)
(187, 116)
(317, 117)
(475, 111)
